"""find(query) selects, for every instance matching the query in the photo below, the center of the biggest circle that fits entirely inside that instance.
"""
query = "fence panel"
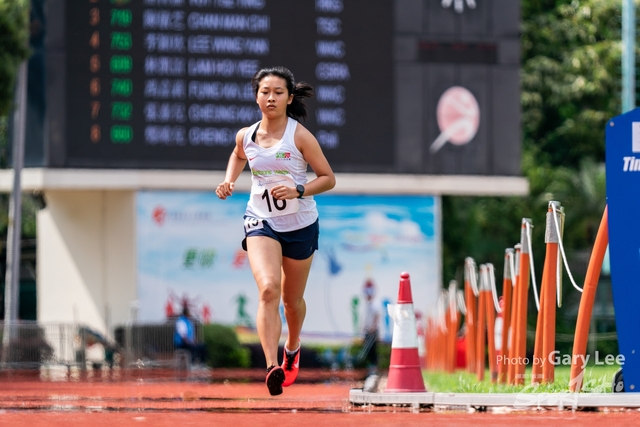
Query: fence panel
(150, 344)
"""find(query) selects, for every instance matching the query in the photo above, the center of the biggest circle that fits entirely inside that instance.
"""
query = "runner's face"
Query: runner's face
(273, 96)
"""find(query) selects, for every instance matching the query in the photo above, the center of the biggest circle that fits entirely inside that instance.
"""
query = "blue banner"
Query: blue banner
(623, 199)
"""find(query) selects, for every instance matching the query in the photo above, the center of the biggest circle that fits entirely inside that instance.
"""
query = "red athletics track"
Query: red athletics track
(167, 402)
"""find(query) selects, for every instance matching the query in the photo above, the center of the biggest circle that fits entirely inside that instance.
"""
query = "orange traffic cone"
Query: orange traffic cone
(405, 374)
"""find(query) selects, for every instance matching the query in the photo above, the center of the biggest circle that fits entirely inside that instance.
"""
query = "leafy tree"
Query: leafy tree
(583, 192)
(570, 77)
(483, 227)
(14, 33)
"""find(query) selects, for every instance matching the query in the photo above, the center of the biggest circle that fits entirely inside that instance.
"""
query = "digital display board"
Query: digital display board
(402, 87)
(166, 83)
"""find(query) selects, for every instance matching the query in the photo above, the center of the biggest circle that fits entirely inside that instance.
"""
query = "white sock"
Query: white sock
(289, 352)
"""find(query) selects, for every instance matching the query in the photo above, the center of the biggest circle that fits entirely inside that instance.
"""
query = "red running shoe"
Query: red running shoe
(291, 366)
(274, 380)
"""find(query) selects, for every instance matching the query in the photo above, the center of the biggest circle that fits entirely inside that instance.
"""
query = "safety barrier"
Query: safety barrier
(475, 304)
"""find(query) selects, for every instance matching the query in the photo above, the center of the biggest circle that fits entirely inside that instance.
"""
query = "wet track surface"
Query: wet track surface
(162, 400)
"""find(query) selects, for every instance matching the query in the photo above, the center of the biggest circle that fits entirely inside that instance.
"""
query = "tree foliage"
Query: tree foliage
(14, 33)
(223, 348)
(570, 77)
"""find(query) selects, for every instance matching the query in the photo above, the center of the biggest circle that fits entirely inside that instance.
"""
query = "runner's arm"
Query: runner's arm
(237, 162)
(310, 148)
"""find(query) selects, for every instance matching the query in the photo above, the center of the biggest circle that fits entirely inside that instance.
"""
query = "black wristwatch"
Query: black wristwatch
(300, 189)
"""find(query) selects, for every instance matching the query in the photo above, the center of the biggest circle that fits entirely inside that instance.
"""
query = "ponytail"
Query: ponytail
(297, 109)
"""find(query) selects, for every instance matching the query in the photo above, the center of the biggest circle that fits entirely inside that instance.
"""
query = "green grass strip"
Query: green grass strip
(597, 379)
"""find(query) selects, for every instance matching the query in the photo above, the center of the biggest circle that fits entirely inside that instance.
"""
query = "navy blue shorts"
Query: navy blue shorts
(297, 244)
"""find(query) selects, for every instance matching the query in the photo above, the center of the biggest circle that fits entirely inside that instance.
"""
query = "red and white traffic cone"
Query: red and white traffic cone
(405, 374)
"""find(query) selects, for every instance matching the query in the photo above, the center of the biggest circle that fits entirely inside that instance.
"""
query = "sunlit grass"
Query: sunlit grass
(597, 379)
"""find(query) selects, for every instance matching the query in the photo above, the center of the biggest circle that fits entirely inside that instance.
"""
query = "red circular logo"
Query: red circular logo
(458, 116)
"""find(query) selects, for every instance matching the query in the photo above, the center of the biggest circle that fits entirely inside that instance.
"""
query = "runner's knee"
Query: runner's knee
(292, 303)
(269, 295)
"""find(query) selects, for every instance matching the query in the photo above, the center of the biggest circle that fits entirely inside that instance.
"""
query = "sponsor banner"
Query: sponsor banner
(189, 248)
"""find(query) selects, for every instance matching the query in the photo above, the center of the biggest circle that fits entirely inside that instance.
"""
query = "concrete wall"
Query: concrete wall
(87, 257)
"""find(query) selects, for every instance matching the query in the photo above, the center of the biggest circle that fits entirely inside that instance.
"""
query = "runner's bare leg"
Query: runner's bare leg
(265, 258)
(294, 281)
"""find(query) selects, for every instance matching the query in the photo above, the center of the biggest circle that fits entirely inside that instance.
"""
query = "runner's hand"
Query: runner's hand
(225, 190)
(282, 192)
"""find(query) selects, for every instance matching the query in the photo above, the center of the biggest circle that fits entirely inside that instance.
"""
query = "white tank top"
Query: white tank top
(281, 164)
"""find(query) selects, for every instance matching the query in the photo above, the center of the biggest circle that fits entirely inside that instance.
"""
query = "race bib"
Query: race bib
(265, 205)
(252, 224)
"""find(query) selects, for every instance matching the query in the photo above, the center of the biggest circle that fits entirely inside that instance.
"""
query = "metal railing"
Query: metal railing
(29, 345)
(150, 344)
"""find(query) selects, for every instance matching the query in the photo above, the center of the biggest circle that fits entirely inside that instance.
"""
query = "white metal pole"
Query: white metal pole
(12, 275)
(628, 55)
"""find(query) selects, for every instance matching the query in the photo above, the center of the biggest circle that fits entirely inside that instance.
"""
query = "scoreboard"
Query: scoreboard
(401, 86)
(166, 83)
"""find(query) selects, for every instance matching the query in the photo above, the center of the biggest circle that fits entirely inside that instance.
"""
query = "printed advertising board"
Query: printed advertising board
(189, 246)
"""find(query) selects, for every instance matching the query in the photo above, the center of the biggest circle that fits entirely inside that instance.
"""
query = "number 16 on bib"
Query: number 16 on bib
(268, 206)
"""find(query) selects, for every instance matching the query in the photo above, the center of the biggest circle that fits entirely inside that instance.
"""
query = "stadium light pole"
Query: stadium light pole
(628, 55)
